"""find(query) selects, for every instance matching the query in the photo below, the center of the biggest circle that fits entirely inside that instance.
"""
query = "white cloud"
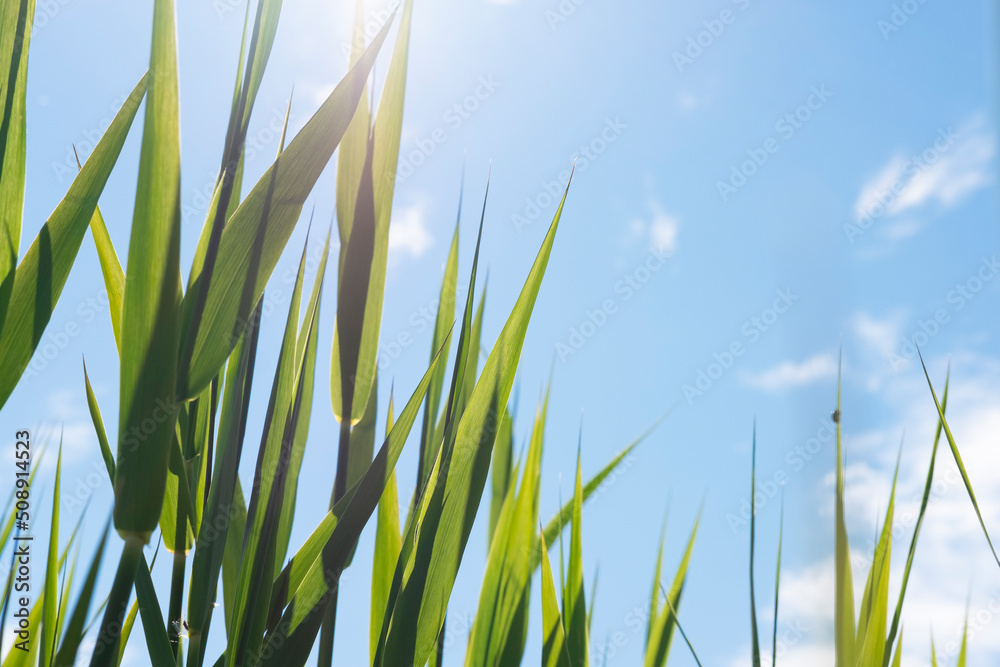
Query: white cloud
(408, 231)
(662, 228)
(952, 166)
(789, 374)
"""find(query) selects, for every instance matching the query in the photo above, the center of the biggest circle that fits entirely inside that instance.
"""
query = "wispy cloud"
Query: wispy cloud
(789, 374)
(951, 167)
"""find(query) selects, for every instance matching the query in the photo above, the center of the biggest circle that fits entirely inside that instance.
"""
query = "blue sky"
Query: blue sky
(760, 179)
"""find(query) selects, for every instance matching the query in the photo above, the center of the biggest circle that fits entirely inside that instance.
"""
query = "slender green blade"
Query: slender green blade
(111, 268)
(256, 233)
(662, 632)
(50, 593)
(354, 145)
(574, 601)
(66, 657)
(844, 630)
(554, 651)
(157, 645)
(32, 290)
(500, 470)
(958, 461)
(15, 36)
(388, 543)
(755, 647)
(429, 446)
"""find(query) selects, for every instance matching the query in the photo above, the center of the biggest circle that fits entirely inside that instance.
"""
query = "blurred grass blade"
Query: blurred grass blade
(574, 602)
(15, 35)
(256, 233)
(777, 583)
(29, 294)
(157, 644)
(755, 647)
(958, 461)
(50, 599)
(66, 657)
(844, 632)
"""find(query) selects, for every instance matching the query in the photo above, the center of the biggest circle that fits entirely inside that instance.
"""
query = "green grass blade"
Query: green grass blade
(66, 657)
(928, 485)
(388, 543)
(213, 538)
(300, 623)
(554, 651)
(662, 634)
(755, 648)
(257, 565)
(256, 233)
(354, 145)
(456, 486)
(844, 631)
(50, 593)
(958, 461)
(152, 298)
(31, 291)
(157, 644)
(777, 583)
(387, 129)
(500, 470)
(15, 36)
(429, 447)
(574, 602)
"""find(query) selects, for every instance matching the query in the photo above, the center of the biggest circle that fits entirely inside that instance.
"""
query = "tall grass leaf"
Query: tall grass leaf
(50, 593)
(257, 565)
(958, 461)
(874, 609)
(66, 656)
(15, 36)
(928, 485)
(290, 643)
(554, 652)
(387, 129)
(498, 631)
(963, 651)
(574, 602)
(29, 658)
(777, 583)
(662, 634)
(844, 631)
(152, 299)
(256, 233)
(899, 650)
(102, 434)
(157, 645)
(445, 315)
(388, 543)
(354, 145)
(456, 486)
(31, 291)
(755, 646)
(220, 510)
(111, 268)
(500, 470)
